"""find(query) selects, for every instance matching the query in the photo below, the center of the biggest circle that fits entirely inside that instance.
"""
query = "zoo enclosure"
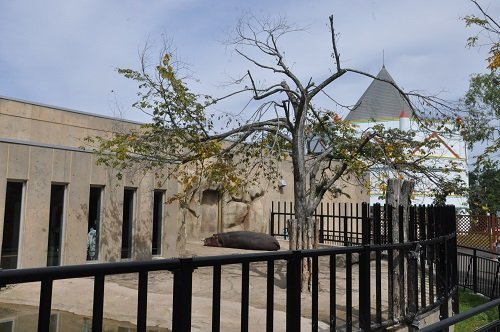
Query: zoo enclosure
(429, 255)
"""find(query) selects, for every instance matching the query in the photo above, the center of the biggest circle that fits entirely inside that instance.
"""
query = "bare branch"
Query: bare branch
(334, 44)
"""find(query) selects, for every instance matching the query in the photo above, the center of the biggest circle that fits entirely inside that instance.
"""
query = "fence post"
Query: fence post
(293, 285)
(321, 229)
(441, 267)
(45, 304)
(183, 292)
(474, 270)
(271, 226)
(412, 275)
(364, 272)
(454, 268)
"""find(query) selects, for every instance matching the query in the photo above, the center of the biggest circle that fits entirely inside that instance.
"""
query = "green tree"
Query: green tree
(484, 184)
(482, 100)
(187, 139)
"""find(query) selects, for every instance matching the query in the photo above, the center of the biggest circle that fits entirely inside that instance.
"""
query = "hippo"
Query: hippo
(243, 240)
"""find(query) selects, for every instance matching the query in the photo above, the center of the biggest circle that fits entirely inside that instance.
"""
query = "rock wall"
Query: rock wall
(209, 212)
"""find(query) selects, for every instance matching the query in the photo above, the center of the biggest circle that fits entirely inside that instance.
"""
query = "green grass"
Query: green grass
(469, 300)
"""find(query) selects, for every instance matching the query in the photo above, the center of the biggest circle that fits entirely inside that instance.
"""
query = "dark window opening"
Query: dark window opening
(128, 216)
(94, 223)
(56, 216)
(11, 225)
(7, 326)
(157, 222)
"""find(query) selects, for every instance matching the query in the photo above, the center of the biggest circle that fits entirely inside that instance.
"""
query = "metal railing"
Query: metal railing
(493, 326)
(426, 290)
(339, 223)
(479, 271)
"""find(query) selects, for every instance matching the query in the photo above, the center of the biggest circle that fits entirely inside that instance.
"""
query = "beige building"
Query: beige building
(57, 207)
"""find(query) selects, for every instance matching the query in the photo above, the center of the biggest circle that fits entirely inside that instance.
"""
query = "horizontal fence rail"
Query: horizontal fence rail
(493, 326)
(356, 281)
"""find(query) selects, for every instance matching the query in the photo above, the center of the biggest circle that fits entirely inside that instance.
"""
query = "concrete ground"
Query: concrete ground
(120, 301)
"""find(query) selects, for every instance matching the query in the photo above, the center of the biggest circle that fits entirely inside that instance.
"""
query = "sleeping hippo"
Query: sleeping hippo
(243, 240)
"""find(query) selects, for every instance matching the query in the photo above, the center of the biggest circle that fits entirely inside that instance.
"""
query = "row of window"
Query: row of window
(13, 216)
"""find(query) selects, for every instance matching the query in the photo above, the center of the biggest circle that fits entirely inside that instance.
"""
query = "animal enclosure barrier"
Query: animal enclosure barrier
(339, 224)
(349, 297)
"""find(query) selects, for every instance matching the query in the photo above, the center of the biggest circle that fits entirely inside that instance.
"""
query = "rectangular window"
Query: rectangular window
(157, 221)
(56, 218)
(128, 222)
(11, 224)
(94, 223)
(7, 326)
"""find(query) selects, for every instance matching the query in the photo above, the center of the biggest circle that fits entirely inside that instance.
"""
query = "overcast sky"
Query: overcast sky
(65, 53)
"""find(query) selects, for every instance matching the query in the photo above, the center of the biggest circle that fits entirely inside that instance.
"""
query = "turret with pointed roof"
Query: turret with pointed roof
(380, 102)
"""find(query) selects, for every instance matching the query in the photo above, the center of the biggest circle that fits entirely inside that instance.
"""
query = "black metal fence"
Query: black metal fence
(358, 296)
(479, 271)
(339, 223)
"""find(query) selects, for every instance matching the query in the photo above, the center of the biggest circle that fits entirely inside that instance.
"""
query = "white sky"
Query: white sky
(64, 53)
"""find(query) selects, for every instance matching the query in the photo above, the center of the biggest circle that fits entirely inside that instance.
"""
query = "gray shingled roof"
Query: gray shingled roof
(381, 101)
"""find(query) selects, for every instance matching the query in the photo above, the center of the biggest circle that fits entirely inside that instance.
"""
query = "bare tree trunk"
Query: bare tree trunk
(398, 195)
(304, 235)
(180, 244)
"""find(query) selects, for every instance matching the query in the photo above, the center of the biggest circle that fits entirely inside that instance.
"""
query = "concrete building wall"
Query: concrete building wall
(42, 145)
(38, 167)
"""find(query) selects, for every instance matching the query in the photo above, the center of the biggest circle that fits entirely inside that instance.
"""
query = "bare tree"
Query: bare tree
(287, 124)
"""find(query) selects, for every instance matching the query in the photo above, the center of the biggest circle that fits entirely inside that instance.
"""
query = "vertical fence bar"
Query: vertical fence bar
(423, 257)
(364, 272)
(271, 226)
(454, 271)
(474, 271)
(321, 228)
(216, 290)
(351, 228)
(441, 268)
(431, 253)
(285, 216)
(182, 297)
(245, 287)
(348, 295)
(333, 293)
(334, 238)
(314, 295)
(412, 275)
(142, 301)
(270, 297)
(390, 262)
(293, 281)
(402, 263)
(346, 241)
(45, 305)
(378, 263)
(98, 304)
